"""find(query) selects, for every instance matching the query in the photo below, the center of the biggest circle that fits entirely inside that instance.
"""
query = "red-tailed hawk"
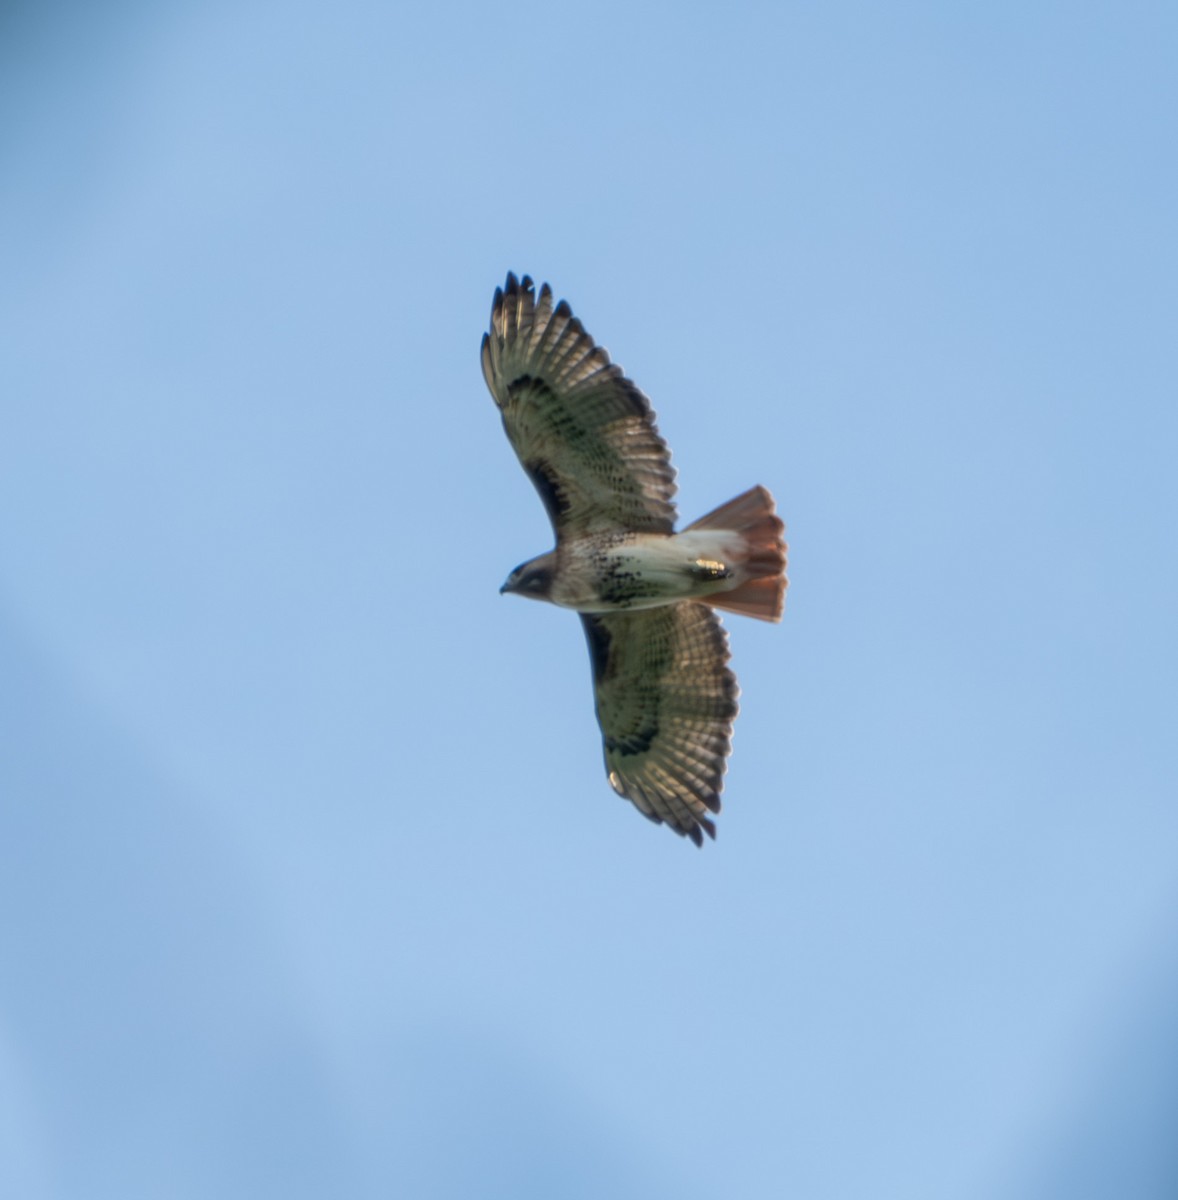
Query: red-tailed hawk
(586, 436)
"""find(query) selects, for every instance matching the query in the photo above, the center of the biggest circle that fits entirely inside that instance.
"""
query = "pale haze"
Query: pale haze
(311, 882)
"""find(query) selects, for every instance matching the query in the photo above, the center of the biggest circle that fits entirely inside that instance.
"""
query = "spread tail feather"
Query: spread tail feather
(761, 592)
(760, 598)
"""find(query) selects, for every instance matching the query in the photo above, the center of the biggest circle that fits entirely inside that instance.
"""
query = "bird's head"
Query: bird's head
(532, 579)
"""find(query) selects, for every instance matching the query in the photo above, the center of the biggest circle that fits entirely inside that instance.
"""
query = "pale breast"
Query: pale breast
(612, 572)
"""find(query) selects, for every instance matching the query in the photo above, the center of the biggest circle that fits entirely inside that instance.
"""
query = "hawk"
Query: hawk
(586, 437)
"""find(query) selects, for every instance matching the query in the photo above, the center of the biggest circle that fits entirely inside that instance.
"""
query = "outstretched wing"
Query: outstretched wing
(584, 433)
(665, 702)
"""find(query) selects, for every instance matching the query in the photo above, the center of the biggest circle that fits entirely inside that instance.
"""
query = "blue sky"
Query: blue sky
(310, 880)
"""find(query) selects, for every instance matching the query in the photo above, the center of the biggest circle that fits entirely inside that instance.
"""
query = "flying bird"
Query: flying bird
(586, 436)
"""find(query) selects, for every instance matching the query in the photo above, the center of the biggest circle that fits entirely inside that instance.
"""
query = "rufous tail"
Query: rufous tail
(761, 593)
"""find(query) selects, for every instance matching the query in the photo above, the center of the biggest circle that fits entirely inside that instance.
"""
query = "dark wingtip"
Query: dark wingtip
(696, 832)
(515, 287)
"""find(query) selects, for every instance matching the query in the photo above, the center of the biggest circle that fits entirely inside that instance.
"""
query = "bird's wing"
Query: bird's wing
(666, 701)
(584, 433)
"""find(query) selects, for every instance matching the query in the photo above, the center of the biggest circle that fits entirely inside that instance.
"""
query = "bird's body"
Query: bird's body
(613, 572)
(586, 437)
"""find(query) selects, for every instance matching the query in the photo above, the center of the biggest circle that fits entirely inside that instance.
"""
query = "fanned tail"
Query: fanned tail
(761, 565)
